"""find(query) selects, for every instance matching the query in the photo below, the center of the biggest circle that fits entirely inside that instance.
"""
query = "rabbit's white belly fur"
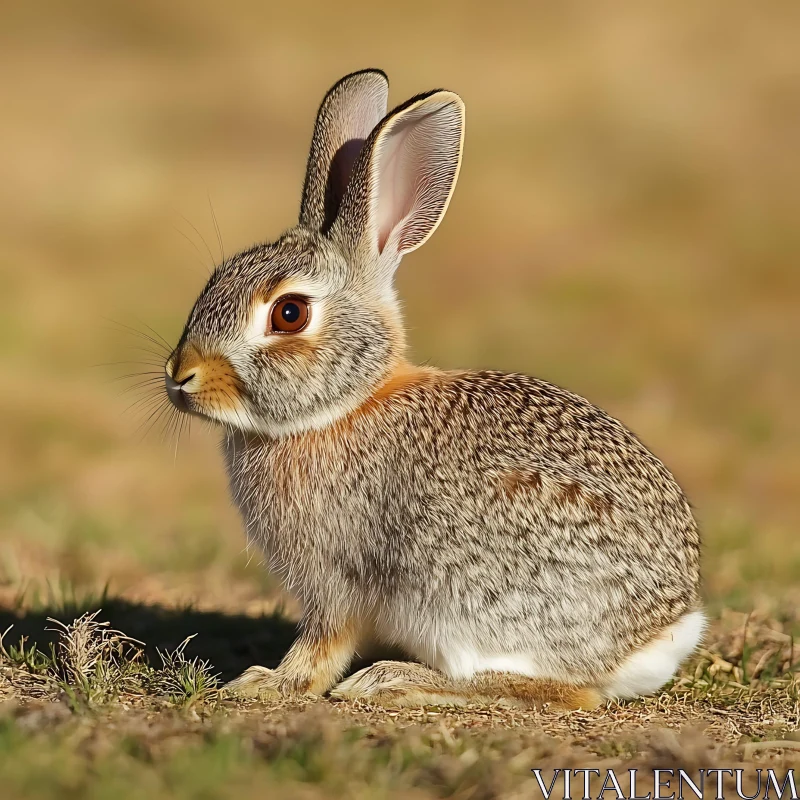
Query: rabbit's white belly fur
(642, 673)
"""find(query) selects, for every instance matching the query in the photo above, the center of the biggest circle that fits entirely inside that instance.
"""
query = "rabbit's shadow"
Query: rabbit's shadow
(230, 642)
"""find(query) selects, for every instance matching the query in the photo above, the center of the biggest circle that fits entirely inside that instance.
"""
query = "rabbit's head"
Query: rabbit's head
(292, 335)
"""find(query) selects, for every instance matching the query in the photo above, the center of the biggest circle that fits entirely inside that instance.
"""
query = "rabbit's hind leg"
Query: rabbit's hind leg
(400, 684)
(404, 683)
(535, 692)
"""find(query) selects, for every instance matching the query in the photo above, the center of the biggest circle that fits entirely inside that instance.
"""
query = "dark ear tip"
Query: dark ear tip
(358, 73)
(368, 71)
(353, 77)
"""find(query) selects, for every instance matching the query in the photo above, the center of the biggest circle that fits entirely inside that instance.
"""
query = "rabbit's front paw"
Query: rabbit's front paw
(272, 683)
(256, 682)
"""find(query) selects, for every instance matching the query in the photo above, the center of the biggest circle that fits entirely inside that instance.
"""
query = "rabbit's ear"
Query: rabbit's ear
(403, 180)
(349, 112)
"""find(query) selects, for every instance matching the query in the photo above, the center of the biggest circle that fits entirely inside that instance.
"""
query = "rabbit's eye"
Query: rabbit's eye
(290, 314)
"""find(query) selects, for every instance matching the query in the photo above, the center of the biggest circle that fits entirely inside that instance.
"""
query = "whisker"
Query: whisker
(210, 254)
(160, 421)
(149, 353)
(142, 392)
(216, 228)
(169, 422)
(124, 328)
(129, 375)
(183, 421)
(146, 408)
(127, 363)
(161, 356)
(140, 347)
(197, 250)
(156, 381)
(154, 415)
(152, 386)
(158, 336)
(148, 399)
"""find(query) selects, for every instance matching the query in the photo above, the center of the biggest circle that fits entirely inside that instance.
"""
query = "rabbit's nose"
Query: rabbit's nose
(175, 390)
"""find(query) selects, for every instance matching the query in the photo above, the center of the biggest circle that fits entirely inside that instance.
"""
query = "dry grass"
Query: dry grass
(625, 224)
(94, 700)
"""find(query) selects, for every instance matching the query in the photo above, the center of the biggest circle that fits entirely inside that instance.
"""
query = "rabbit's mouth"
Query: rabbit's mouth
(205, 385)
(190, 396)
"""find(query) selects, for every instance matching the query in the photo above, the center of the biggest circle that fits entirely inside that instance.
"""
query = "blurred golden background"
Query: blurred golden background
(625, 224)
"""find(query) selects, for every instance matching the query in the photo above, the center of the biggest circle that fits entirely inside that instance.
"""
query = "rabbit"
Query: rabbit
(515, 542)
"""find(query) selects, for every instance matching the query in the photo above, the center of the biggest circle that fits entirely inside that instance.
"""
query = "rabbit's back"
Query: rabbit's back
(470, 513)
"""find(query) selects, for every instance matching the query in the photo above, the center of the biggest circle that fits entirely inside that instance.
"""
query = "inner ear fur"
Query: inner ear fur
(403, 179)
